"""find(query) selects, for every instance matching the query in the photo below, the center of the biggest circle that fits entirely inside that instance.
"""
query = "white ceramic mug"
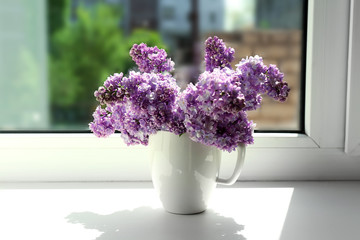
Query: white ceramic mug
(185, 172)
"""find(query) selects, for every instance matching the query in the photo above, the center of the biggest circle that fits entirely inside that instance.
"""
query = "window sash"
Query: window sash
(317, 154)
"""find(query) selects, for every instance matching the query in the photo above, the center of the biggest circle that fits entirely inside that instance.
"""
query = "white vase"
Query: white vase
(185, 173)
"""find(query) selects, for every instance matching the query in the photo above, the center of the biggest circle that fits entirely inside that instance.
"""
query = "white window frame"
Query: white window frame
(328, 151)
(352, 140)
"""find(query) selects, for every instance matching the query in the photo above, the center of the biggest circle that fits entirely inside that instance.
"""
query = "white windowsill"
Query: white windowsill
(88, 140)
(247, 210)
(83, 157)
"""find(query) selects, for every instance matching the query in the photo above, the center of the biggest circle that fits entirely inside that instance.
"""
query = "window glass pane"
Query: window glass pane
(54, 54)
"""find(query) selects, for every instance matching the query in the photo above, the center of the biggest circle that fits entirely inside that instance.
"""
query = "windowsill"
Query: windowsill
(84, 157)
(89, 140)
(247, 210)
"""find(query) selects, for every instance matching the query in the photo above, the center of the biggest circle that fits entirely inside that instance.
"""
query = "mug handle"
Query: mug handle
(238, 167)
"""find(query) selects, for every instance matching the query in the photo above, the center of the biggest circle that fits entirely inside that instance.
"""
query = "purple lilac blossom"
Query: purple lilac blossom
(176, 125)
(251, 74)
(217, 55)
(103, 124)
(134, 127)
(213, 110)
(151, 59)
(112, 91)
(154, 95)
(275, 86)
(256, 79)
(147, 106)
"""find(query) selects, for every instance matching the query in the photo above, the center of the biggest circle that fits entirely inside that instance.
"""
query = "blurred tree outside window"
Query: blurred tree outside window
(84, 52)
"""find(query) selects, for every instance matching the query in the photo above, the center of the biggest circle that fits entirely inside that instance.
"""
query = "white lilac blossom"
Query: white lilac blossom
(212, 112)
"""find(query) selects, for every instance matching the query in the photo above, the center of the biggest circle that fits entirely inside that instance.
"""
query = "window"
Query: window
(317, 154)
(212, 17)
(50, 68)
(168, 13)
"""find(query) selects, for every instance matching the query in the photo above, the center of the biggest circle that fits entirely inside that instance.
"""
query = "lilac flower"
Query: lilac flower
(103, 125)
(154, 94)
(151, 59)
(250, 74)
(217, 55)
(275, 86)
(147, 105)
(256, 78)
(133, 125)
(176, 125)
(112, 91)
(212, 112)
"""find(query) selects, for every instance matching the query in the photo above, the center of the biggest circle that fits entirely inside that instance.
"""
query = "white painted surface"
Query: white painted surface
(111, 211)
(352, 140)
(326, 69)
(86, 158)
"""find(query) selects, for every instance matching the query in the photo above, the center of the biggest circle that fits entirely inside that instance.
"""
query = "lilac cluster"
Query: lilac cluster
(217, 55)
(135, 127)
(213, 110)
(142, 103)
(146, 106)
(256, 78)
(112, 91)
(151, 59)
(275, 86)
(251, 74)
(153, 99)
(103, 124)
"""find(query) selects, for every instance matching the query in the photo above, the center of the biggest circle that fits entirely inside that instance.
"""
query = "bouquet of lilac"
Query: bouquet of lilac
(212, 112)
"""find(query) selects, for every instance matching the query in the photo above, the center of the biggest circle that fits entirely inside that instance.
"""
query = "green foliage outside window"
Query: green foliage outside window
(84, 52)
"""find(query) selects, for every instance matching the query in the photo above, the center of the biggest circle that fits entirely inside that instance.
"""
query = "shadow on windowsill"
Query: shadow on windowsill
(148, 223)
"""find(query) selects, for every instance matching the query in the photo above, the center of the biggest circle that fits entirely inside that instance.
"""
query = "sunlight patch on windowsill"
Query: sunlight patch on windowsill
(84, 214)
